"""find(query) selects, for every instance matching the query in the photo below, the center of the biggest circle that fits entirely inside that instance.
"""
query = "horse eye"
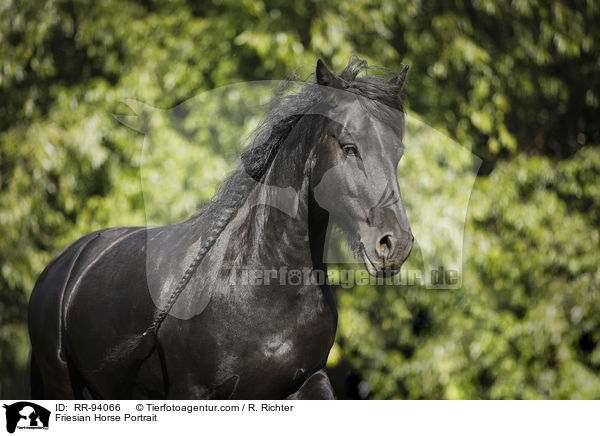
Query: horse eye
(350, 149)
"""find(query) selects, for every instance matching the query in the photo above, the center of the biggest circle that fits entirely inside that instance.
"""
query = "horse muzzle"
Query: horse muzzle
(387, 254)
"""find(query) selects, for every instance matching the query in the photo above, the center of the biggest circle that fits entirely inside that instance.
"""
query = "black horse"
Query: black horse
(112, 319)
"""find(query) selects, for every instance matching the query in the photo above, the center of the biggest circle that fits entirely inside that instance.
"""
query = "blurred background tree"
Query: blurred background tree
(515, 82)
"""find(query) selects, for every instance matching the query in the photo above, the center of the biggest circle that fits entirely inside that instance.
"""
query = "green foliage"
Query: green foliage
(508, 81)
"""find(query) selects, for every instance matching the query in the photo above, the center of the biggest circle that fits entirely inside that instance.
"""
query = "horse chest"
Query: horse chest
(282, 338)
(295, 341)
(267, 344)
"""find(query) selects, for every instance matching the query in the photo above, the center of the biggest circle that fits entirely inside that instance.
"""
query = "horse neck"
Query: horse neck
(290, 229)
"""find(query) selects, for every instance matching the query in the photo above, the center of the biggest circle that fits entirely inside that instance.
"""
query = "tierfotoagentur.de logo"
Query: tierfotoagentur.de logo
(24, 415)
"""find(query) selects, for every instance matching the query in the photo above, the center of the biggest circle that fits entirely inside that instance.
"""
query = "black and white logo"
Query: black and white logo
(26, 415)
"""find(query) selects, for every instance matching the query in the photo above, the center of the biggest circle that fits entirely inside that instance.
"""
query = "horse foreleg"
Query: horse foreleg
(316, 387)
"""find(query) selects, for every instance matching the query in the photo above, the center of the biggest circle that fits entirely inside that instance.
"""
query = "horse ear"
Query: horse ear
(326, 77)
(398, 81)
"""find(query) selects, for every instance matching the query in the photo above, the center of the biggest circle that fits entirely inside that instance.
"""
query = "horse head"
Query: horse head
(355, 165)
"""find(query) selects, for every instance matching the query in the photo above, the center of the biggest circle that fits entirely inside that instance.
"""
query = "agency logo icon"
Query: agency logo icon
(26, 415)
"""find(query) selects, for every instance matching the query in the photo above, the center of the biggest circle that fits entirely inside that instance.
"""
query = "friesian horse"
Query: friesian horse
(110, 320)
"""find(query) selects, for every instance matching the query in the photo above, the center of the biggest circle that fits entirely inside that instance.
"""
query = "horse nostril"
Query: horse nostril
(385, 246)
